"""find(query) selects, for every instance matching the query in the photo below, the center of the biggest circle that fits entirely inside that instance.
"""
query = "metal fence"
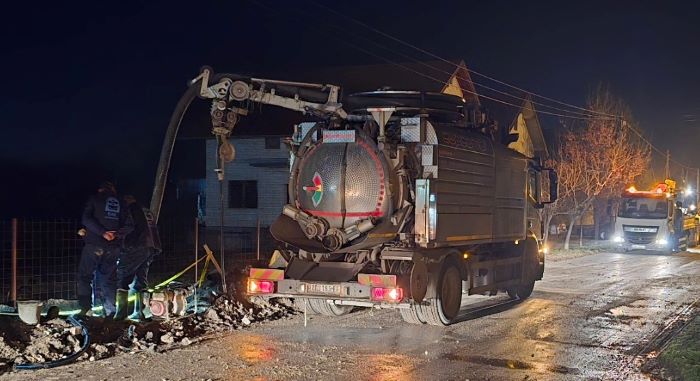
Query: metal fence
(39, 258)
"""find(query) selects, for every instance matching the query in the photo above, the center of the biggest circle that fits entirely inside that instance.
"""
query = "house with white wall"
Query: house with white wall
(254, 185)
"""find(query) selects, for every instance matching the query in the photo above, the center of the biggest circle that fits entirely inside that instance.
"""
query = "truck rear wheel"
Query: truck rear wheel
(444, 308)
(412, 315)
(299, 304)
(522, 291)
(531, 272)
(329, 309)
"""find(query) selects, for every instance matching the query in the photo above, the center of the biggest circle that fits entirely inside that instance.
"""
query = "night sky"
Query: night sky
(89, 87)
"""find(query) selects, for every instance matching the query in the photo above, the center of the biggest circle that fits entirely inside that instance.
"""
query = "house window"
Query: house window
(243, 194)
(272, 143)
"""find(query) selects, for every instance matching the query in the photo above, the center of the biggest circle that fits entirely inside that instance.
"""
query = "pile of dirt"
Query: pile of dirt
(55, 339)
(49, 341)
(225, 314)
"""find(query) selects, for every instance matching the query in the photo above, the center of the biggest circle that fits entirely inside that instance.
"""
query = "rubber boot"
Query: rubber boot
(132, 301)
(122, 304)
(85, 302)
(138, 315)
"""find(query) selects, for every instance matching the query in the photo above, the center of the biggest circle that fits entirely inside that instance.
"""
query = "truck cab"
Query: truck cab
(643, 220)
(651, 220)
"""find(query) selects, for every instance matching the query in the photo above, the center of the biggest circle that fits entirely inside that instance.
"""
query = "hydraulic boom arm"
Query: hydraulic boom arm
(232, 96)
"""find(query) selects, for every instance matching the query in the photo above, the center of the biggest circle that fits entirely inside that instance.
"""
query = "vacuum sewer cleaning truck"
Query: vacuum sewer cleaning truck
(397, 199)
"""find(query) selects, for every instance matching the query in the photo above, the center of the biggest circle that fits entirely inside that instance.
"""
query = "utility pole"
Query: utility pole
(697, 186)
(668, 162)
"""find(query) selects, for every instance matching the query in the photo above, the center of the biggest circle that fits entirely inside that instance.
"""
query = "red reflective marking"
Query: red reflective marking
(323, 213)
(380, 170)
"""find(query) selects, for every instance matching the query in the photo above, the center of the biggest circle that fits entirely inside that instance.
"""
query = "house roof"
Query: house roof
(533, 126)
(507, 115)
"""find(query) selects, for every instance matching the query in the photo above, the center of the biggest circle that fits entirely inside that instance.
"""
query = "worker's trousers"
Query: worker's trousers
(98, 263)
(132, 270)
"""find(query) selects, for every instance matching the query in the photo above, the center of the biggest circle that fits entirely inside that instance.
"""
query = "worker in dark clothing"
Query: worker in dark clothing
(102, 217)
(677, 226)
(97, 299)
(141, 243)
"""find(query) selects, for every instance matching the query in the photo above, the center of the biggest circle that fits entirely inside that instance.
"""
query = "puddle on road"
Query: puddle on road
(625, 314)
(255, 349)
(510, 364)
(389, 367)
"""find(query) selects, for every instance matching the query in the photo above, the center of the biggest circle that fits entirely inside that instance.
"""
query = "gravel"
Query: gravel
(56, 339)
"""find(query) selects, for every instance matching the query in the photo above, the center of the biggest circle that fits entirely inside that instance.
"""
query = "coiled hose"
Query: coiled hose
(66, 360)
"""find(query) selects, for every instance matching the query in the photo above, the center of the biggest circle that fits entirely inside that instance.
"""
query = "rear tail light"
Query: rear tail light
(392, 294)
(257, 286)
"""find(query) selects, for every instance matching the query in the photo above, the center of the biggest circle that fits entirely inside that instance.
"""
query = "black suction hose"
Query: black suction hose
(66, 360)
(183, 104)
(166, 152)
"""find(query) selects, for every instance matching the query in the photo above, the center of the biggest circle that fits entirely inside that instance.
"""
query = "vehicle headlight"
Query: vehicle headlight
(618, 239)
(662, 242)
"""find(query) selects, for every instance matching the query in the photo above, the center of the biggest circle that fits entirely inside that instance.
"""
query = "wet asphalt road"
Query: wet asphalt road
(590, 318)
(587, 319)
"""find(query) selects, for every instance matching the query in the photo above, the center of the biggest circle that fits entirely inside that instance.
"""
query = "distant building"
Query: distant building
(255, 183)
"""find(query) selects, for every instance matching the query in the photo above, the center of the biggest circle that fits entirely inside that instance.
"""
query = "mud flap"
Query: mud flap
(532, 267)
(541, 259)
(418, 281)
(434, 269)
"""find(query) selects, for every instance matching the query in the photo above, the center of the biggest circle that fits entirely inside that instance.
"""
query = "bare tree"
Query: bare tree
(598, 158)
(561, 205)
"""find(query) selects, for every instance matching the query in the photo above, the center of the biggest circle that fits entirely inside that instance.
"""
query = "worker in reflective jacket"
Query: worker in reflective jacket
(141, 243)
(102, 217)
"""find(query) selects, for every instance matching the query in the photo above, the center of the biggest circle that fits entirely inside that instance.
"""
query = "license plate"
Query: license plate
(638, 247)
(322, 289)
